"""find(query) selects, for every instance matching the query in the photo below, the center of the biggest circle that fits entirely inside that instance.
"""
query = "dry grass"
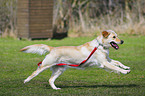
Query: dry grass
(121, 26)
(123, 20)
(9, 33)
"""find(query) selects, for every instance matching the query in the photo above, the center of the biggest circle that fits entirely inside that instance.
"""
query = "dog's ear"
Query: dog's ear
(105, 34)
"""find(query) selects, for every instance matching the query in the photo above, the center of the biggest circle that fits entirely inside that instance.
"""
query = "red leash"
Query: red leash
(75, 65)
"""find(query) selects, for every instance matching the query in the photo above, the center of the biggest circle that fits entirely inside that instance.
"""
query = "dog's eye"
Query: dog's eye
(114, 36)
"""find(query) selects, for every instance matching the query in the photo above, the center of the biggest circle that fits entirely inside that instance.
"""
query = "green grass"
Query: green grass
(16, 66)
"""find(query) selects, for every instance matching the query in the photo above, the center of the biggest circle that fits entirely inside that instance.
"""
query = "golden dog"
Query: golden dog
(76, 54)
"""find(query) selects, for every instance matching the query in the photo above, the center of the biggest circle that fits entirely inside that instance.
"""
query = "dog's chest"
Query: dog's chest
(91, 62)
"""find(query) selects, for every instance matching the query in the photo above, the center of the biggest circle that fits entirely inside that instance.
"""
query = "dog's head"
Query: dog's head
(109, 38)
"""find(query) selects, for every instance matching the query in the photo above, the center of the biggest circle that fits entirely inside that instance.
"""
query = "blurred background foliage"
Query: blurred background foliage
(84, 17)
(8, 17)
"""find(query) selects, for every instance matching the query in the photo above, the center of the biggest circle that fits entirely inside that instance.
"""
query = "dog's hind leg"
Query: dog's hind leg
(57, 71)
(47, 63)
(35, 73)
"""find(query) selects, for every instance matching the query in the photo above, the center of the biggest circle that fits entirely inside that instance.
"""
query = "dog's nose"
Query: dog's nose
(122, 41)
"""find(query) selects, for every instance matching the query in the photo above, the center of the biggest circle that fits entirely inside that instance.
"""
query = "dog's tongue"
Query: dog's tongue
(116, 46)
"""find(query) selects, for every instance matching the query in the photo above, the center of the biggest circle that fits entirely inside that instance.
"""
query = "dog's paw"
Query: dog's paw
(126, 71)
(126, 67)
(26, 80)
(57, 88)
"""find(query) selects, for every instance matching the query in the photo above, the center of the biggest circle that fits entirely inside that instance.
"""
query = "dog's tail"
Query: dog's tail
(37, 48)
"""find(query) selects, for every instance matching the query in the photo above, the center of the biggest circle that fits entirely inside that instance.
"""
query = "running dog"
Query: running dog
(76, 54)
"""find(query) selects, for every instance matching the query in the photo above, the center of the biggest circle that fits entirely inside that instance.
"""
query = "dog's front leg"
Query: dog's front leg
(114, 68)
(119, 64)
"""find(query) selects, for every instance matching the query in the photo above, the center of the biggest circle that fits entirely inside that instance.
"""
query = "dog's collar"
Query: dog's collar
(101, 45)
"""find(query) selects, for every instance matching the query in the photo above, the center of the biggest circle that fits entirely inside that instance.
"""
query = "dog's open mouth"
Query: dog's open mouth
(114, 45)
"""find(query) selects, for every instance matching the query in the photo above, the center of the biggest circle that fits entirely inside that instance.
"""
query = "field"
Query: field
(16, 66)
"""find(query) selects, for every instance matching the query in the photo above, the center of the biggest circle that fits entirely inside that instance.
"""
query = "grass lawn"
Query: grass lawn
(16, 66)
